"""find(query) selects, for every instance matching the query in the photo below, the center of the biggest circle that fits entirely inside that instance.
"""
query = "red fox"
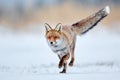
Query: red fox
(62, 38)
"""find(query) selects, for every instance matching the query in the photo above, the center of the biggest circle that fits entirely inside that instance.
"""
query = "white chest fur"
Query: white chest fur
(60, 49)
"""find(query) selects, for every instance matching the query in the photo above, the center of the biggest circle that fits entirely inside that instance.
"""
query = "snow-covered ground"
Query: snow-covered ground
(28, 57)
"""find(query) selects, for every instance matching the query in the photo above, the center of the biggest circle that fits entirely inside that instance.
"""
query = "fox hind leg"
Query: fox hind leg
(72, 49)
(72, 58)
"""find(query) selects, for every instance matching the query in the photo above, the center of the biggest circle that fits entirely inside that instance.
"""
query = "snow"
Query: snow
(27, 57)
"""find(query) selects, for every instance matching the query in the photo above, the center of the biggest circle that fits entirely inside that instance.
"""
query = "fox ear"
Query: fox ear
(58, 27)
(47, 27)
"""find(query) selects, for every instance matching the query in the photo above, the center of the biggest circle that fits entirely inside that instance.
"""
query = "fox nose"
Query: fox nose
(51, 42)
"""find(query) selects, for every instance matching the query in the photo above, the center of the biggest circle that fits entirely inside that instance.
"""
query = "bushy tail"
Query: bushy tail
(83, 26)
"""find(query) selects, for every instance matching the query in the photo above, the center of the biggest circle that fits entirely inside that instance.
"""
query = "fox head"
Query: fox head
(53, 36)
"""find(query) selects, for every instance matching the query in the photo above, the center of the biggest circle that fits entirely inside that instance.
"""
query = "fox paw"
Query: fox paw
(60, 64)
(64, 71)
(71, 63)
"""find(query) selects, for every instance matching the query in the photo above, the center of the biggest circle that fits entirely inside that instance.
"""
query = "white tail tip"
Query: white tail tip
(107, 9)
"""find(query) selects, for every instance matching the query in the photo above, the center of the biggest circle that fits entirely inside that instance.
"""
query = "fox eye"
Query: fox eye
(56, 37)
(48, 37)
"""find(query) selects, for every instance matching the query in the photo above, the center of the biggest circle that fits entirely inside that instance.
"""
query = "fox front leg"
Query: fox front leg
(63, 62)
(64, 68)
